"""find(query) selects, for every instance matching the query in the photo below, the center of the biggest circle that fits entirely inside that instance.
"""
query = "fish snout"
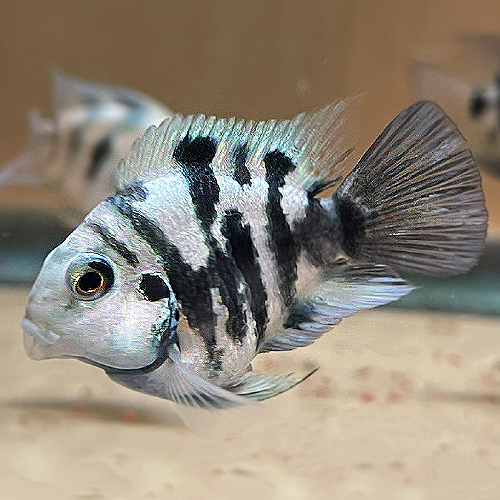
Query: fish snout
(37, 339)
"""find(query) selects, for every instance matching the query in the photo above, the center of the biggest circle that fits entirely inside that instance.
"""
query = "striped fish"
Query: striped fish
(471, 99)
(476, 108)
(75, 153)
(221, 244)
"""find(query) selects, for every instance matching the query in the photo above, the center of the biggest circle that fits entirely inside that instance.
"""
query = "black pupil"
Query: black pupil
(90, 282)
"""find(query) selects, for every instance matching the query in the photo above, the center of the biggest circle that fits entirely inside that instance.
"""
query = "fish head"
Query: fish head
(88, 303)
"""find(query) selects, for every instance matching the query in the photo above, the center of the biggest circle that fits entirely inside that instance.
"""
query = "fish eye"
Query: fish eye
(90, 276)
(477, 103)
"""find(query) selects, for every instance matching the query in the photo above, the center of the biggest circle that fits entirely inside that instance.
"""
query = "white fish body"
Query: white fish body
(76, 152)
(216, 247)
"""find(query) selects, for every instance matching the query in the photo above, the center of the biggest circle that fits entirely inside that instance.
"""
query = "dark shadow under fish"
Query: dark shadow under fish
(95, 411)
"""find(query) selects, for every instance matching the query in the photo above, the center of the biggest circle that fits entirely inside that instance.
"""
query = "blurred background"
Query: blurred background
(406, 403)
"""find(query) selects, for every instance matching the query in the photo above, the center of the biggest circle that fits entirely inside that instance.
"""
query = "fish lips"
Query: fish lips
(37, 338)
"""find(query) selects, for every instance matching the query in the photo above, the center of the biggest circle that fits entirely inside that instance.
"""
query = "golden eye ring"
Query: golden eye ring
(90, 276)
(90, 283)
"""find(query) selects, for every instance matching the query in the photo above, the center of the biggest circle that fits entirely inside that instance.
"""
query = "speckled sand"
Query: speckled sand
(404, 406)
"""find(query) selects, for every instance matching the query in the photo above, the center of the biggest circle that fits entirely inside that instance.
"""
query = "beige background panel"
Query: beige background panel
(257, 59)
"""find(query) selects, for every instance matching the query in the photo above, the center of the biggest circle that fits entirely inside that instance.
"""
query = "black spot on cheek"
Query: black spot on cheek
(153, 287)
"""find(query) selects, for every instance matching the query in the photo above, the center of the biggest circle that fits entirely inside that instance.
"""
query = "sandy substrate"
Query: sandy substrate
(404, 406)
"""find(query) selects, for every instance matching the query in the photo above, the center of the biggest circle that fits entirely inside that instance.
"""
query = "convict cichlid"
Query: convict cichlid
(74, 152)
(476, 108)
(470, 96)
(218, 246)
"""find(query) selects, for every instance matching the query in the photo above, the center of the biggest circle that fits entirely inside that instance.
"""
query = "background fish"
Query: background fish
(76, 152)
(472, 101)
(218, 246)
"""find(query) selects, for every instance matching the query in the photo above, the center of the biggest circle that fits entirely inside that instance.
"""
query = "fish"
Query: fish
(228, 238)
(471, 99)
(75, 152)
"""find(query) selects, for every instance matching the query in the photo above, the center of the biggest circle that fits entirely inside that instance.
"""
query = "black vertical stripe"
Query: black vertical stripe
(118, 246)
(75, 141)
(135, 191)
(228, 280)
(129, 101)
(318, 234)
(195, 152)
(195, 156)
(241, 248)
(101, 152)
(191, 288)
(281, 240)
(353, 222)
(241, 172)
(478, 103)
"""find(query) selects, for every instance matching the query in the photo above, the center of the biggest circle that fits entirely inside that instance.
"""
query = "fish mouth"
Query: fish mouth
(39, 332)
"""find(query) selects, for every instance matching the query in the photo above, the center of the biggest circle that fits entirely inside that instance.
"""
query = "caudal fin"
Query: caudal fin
(414, 201)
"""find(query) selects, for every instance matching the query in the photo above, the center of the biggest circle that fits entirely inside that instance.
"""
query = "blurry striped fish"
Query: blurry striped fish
(218, 246)
(76, 153)
(474, 102)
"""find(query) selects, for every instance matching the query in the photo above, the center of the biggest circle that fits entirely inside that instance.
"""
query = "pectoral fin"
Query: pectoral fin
(176, 382)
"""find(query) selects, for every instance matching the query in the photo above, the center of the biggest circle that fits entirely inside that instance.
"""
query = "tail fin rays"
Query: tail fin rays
(414, 201)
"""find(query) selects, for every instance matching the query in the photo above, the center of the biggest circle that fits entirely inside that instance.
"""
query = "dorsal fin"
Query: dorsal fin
(69, 91)
(315, 142)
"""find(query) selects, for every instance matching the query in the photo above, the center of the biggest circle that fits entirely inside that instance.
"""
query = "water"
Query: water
(405, 404)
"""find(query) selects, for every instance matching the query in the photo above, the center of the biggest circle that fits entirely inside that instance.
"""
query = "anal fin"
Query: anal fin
(259, 387)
